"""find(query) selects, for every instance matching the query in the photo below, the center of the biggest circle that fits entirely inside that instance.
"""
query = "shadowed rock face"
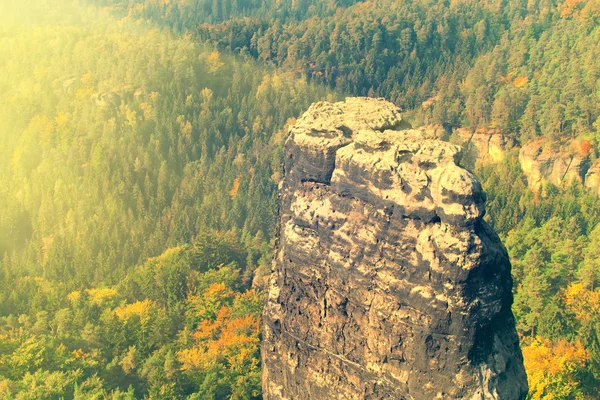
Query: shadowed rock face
(387, 282)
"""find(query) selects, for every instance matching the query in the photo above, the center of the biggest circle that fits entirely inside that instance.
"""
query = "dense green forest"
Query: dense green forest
(120, 142)
(528, 67)
(140, 154)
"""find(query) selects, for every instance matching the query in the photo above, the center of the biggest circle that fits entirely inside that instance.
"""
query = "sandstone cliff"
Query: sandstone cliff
(387, 282)
(542, 161)
(485, 145)
(592, 177)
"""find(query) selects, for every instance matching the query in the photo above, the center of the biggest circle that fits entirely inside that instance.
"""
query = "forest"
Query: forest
(141, 152)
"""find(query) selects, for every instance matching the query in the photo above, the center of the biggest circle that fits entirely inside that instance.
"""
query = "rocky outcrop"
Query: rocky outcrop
(542, 161)
(487, 146)
(592, 177)
(387, 283)
(436, 131)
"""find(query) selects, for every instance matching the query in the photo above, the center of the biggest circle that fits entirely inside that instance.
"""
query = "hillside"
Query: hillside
(131, 128)
(120, 142)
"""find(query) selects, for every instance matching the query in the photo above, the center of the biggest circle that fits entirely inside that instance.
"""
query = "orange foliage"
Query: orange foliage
(207, 329)
(81, 355)
(215, 289)
(223, 313)
(507, 78)
(521, 81)
(568, 7)
(234, 190)
(233, 341)
(581, 9)
(224, 339)
(586, 147)
(554, 357)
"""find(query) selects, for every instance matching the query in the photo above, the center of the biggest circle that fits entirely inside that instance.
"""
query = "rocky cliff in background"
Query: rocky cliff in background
(592, 177)
(485, 145)
(387, 282)
(543, 161)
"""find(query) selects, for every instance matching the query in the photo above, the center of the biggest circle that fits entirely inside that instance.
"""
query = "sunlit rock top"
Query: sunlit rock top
(362, 146)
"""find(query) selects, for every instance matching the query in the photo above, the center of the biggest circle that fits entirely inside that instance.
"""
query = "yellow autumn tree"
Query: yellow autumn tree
(521, 81)
(74, 296)
(584, 303)
(140, 309)
(226, 340)
(552, 368)
(234, 190)
(99, 296)
(213, 62)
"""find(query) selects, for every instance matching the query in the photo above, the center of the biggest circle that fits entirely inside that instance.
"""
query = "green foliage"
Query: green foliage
(139, 169)
(125, 140)
(552, 240)
(138, 175)
(135, 346)
(525, 67)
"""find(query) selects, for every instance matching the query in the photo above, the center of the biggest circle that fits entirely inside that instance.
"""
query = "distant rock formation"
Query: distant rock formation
(487, 146)
(387, 282)
(592, 177)
(541, 162)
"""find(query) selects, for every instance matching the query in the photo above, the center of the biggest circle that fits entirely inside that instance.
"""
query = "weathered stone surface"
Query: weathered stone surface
(387, 282)
(436, 131)
(592, 177)
(486, 145)
(543, 161)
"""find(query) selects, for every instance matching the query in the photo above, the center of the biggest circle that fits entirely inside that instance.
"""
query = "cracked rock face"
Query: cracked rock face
(387, 282)
(541, 163)
(592, 178)
(489, 146)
